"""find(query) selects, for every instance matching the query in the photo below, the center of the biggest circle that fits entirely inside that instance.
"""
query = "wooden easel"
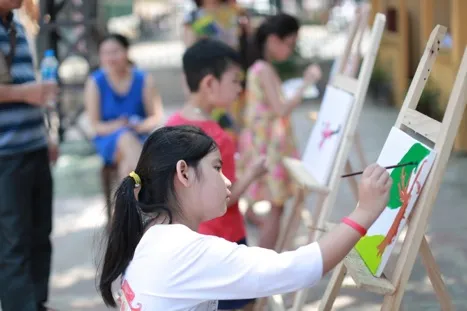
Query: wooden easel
(349, 63)
(358, 88)
(328, 193)
(441, 136)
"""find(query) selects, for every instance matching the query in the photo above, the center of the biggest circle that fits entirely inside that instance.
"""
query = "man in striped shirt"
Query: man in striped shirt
(25, 177)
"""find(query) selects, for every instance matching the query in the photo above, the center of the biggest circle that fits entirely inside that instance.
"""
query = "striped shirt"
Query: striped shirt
(22, 126)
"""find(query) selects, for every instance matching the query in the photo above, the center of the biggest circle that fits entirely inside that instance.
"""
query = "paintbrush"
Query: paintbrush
(387, 167)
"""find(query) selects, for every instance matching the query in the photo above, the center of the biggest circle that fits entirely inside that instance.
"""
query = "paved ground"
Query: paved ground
(79, 207)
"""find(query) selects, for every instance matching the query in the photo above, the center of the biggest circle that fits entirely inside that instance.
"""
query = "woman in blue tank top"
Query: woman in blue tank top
(123, 105)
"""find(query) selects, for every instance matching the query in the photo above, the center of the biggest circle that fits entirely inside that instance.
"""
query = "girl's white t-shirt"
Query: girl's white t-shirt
(177, 269)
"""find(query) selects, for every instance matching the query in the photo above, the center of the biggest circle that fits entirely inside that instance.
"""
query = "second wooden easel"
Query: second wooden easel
(297, 169)
(349, 63)
(441, 136)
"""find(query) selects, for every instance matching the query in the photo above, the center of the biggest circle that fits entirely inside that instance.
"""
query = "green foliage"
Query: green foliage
(416, 154)
(429, 102)
(379, 78)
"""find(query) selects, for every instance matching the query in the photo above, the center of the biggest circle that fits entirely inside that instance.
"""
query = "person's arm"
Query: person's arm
(11, 93)
(34, 93)
(152, 105)
(218, 269)
(273, 93)
(207, 267)
(189, 37)
(92, 106)
(240, 186)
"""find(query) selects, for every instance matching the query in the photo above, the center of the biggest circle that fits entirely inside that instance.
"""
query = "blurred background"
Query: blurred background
(73, 29)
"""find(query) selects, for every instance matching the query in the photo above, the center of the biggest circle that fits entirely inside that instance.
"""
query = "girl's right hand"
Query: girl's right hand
(373, 193)
(312, 74)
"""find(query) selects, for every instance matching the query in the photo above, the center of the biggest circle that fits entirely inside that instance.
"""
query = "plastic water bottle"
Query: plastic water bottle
(49, 69)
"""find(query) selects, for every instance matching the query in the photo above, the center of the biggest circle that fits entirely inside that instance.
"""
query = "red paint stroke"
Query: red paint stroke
(129, 297)
(327, 133)
(405, 193)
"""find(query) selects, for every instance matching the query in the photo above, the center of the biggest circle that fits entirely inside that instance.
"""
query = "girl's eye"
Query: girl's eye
(218, 168)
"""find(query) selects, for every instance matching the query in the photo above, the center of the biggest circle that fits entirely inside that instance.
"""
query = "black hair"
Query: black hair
(207, 57)
(156, 198)
(281, 25)
(199, 3)
(122, 40)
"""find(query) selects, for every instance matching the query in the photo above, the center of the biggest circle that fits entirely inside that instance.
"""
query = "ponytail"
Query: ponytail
(258, 42)
(125, 233)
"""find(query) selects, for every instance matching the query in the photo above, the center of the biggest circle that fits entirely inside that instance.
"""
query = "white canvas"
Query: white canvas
(376, 247)
(324, 141)
(290, 87)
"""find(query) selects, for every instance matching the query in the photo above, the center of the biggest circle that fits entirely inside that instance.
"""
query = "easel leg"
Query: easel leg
(352, 180)
(437, 282)
(359, 147)
(260, 304)
(300, 299)
(335, 284)
(394, 301)
(286, 238)
(316, 227)
(291, 227)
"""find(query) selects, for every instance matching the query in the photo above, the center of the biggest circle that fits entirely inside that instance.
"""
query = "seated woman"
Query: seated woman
(123, 105)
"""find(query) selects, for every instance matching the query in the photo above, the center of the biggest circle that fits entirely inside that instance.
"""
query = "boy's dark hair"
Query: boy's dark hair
(156, 198)
(281, 25)
(207, 57)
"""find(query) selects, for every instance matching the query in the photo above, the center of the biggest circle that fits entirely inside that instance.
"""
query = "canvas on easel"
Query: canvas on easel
(353, 92)
(348, 64)
(439, 137)
(324, 141)
(408, 181)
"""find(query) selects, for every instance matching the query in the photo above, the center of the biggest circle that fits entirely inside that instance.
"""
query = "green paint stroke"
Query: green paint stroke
(416, 154)
(367, 248)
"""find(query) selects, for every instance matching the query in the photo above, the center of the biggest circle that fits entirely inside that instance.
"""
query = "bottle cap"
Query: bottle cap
(49, 53)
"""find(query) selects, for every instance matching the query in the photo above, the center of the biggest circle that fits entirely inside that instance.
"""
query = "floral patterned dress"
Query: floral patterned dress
(265, 133)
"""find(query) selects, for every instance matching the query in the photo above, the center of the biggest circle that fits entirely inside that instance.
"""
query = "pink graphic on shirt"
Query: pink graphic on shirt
(129, 296)
(327, 133)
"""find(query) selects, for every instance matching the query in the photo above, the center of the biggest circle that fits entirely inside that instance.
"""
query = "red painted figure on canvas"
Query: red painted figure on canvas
(327, 133)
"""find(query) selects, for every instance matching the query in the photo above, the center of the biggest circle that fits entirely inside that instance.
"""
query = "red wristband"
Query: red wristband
(354, 225)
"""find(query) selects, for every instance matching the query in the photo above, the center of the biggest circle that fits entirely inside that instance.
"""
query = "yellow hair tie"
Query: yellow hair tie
(135, 178)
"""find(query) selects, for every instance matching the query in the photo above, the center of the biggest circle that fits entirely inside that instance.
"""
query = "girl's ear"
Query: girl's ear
(183, 173)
